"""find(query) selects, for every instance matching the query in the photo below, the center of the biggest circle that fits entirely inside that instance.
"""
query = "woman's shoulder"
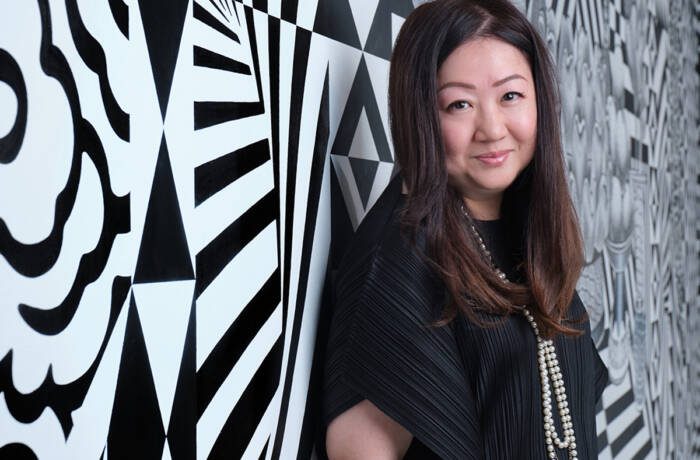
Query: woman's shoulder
(383, 262)
(381, 254)
(385, 286)
(382, 337)
(381, 224)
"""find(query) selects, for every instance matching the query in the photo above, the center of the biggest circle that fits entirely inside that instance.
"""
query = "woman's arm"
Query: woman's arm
(364, 431)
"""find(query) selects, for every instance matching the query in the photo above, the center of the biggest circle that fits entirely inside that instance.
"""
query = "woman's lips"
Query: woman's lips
(493, 158)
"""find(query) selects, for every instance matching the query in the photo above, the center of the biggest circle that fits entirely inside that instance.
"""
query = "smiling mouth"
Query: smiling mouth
(493, 158)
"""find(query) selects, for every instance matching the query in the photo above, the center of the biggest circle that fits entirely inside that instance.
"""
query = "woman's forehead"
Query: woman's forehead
(484, 62)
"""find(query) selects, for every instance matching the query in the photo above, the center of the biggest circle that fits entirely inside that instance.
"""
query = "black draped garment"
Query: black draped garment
(463, 391)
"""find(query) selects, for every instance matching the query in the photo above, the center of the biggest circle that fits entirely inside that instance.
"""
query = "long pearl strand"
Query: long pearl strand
(549, 373)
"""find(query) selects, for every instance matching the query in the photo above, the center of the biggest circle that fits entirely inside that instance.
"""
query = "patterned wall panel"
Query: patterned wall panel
(164, 226)
(177, 183)
(631, 143)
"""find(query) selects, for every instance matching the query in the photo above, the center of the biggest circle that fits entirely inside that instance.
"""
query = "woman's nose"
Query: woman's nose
(490, 125)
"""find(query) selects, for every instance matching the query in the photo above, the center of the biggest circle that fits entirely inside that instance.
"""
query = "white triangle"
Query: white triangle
(381, 180)
(396, 23)
(363, 12)
(166, 451)
(362, 141)
(343, 62)
(351, 196)
(164, 310)
(378, 70)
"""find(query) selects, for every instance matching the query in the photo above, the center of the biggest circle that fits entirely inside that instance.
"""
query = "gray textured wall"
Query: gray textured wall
(630, 118)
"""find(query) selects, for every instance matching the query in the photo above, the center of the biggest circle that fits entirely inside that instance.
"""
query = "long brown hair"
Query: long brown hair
(537, 205)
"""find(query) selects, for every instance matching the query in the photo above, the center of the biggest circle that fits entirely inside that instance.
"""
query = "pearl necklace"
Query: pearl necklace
(549, 372)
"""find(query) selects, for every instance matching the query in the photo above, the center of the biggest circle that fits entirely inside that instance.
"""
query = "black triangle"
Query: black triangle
(361, 97)
(380, 40)
(182, 430)
(163, 255)
(341, 225)
(328, 22)
(364, 172)
(162, 24)
(136, 429)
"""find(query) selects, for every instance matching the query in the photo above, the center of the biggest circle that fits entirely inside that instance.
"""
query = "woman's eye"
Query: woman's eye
(458, 105)
(511, 96)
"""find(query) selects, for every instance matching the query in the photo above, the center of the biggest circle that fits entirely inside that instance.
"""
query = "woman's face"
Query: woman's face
(488, 120)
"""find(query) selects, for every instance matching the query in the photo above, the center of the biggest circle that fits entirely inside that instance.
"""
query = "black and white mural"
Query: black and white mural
(178, 180)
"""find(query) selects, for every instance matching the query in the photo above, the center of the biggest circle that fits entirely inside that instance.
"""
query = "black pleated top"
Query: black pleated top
(463, 391)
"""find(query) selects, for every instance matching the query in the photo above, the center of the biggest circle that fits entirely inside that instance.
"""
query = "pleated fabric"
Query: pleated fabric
(463, 391)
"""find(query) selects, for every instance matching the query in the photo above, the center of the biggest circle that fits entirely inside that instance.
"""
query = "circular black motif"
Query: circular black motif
(11, 74)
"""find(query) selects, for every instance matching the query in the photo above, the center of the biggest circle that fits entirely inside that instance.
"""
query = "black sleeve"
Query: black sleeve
(600, 372)
(601, 378)
(383, 348)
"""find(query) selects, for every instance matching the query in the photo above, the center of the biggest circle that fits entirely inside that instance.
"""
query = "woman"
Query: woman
(457, 332)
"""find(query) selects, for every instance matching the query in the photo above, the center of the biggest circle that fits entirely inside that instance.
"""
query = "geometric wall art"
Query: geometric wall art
(178, 183)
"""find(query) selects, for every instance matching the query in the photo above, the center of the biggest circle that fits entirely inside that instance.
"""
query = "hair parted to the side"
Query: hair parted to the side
(537, 205)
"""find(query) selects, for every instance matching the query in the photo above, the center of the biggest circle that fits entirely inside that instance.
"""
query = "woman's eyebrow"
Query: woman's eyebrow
(460, 84)
(508, 78)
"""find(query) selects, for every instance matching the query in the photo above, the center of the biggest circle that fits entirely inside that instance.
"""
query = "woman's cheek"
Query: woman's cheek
(524, 128)
(455, 136)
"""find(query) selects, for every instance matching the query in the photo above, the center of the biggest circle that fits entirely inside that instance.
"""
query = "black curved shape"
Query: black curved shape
(11, 74)
(62, 399)
(120, 13)
(32, 260)
(116, 220)
(92, 54)
(17, 451)
(35, 259)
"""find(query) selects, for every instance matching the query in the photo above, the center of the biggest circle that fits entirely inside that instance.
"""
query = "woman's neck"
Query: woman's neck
(488, 208)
